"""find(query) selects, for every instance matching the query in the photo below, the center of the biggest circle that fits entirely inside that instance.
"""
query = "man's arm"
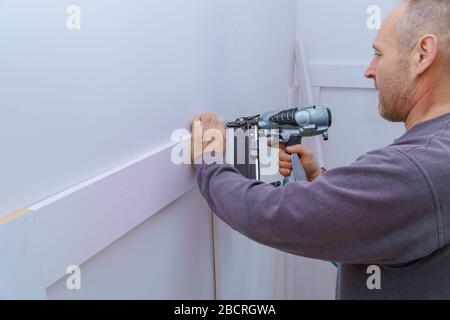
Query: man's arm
(378, 210)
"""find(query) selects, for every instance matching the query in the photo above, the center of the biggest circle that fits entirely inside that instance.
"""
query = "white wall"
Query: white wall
(76, 105)
(339, 47)
(154, 260)
(336, 32)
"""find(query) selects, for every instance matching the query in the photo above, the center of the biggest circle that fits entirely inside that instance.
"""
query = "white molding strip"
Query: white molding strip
(100, 177)
(339, 76)
(74, 225)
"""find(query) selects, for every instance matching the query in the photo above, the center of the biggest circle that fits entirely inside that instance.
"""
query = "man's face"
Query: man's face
(390, 70)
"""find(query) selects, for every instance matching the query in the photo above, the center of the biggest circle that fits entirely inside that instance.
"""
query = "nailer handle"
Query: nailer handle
(298, 172)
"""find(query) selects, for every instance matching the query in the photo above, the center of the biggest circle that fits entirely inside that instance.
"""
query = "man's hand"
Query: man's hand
(208, 134)
(307, 158)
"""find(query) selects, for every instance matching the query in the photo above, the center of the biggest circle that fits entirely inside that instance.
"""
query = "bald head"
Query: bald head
(421, 17)
(411, 64)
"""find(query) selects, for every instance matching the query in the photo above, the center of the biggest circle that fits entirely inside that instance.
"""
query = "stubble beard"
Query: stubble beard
(395, 99)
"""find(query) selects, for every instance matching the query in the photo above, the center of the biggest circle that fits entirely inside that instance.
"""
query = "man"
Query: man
(391, 207)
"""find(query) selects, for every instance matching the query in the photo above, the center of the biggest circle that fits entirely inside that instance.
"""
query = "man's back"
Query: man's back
(390, 208)
(427, 146)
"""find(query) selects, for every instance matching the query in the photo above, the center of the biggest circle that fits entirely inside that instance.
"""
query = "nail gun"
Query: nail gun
(291, 126)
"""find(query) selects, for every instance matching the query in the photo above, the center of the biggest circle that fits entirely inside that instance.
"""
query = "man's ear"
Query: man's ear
(425, 53)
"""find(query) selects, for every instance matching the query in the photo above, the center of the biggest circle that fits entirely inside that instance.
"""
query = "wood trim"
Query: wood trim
(71, 227)
(13, 216)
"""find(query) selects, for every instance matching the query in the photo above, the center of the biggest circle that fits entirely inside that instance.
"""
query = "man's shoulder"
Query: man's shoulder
(430, 148)
(427, 137)
(430, 151)
(419, 157)
(391, 154)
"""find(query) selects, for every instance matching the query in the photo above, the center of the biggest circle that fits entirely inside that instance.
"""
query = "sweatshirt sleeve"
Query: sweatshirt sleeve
(379, 210)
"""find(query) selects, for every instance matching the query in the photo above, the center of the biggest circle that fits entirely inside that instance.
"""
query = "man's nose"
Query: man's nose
(370, 71)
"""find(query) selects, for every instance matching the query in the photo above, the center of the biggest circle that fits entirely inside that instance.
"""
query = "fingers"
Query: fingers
(286, 165)
(300, 150)
(281, 145)
(208, 131)
(194, 120)
(306, 156)
(209, 120)
(284, 156)
(208, 117)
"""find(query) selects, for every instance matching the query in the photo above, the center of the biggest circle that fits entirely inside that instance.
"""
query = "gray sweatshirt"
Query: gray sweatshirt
(390, 208)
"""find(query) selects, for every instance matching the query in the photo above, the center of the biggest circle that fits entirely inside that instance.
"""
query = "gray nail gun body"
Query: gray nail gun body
(291, 126)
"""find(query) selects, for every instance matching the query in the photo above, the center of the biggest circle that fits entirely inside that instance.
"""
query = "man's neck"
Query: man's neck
(432, 104)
